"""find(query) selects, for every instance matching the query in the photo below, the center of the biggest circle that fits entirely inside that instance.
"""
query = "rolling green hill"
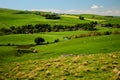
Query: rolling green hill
(95, 57)
(88, 45)
(101, 19)
(8, 17)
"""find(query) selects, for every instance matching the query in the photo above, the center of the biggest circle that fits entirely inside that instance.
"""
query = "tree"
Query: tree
(56, 40)
(39, 40)
(81, 18)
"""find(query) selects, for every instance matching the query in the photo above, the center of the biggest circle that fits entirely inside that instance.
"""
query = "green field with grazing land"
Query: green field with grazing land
(9, 18)
(75, 54)
(88, 45)
(66, 67)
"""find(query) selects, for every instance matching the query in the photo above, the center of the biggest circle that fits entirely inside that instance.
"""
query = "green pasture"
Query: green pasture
(9, 18)
(85, 58)
(80, 67)
(87, 45)
(29, 38)
(24, 39)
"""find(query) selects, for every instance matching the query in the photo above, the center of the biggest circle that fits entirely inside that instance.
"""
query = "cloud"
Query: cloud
(76, 11)
(47, 10)
(112, 12)
(94, 6)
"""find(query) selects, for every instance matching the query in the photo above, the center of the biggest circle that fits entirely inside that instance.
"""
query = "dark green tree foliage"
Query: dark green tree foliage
(56, 40)
(81, 18)
(29, 29)
(52, 16)
(39, 40)
(107, 33)
(108, 25)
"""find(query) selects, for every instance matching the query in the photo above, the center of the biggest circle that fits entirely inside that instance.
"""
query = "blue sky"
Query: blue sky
(102, 7)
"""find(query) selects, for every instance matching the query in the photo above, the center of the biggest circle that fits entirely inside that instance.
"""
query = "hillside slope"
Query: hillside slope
(75, 67)
(8, 17)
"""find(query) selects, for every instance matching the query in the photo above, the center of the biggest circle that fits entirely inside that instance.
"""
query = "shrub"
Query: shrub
(116, 32)
(8, 44)
(39, 40)
(81, 18)
(107, 33)
(56, 40)
(95, 33)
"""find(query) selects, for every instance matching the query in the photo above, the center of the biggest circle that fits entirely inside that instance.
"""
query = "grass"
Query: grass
(49, 36)
(29, 38)
(88, 58)
(88, 45)
(9, 18)
(77, 67)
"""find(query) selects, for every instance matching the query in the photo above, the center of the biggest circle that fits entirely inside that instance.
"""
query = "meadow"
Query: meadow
(79, 58)
(9, 18)
(76, 67)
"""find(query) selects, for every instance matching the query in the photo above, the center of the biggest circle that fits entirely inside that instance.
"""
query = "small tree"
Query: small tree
(81, 18)
(39, 40)
(56, 40)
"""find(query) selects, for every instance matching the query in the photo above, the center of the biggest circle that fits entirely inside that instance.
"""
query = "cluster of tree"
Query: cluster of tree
(52, 16)
(94, 33)
(26, 29)
(33, 12)
(81, 17)
(47, 15)
(112, 25)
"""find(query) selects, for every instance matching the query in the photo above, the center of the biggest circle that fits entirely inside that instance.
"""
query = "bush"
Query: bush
(81, 18)
(56, 40)
(95, 33)
(107, 33)
(39, 40)
(115, 32)
(8, 44)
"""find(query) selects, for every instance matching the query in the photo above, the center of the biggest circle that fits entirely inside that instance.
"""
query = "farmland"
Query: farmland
(78, 53)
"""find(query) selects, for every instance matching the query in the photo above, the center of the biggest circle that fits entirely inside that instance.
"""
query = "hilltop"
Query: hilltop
(9, 17)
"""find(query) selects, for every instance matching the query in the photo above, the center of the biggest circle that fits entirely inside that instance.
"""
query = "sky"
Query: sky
(100, 7)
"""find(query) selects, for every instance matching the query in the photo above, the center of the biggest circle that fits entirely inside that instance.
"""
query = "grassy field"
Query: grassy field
(9, 18)
(29, 38)
(85, 58)
(88, 45)
(76, 67)
(48, 36)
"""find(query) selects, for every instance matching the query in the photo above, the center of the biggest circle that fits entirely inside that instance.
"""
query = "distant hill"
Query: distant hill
(10, 17)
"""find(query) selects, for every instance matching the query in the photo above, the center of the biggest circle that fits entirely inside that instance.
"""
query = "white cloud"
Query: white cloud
(94, 6)
(75, 11)
(112, 12)
(47, 10)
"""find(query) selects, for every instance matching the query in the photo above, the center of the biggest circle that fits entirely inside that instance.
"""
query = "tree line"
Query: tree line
(26, 29)
(109, 25)
(47, 15)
